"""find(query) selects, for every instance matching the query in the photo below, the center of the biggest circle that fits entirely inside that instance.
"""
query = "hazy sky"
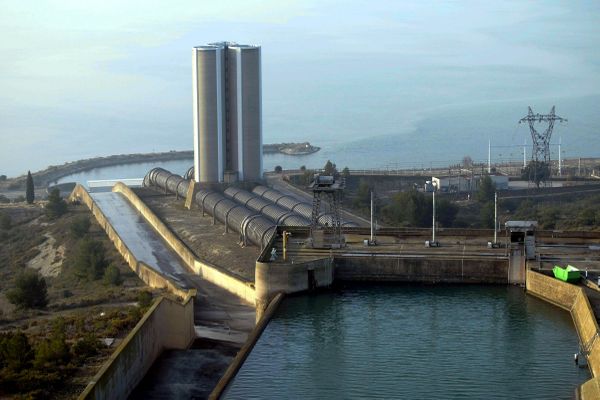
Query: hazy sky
(86, 78)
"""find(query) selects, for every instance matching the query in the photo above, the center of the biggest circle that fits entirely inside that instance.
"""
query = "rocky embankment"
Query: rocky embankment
(291, 149)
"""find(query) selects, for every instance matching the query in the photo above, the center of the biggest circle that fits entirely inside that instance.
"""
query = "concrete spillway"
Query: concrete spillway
(139, 237)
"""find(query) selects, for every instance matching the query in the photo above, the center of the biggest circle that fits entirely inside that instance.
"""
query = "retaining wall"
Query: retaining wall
(151, 277)
(421, 269)
(273, 278)
(212, 273)
(168, 324)
(573, 299)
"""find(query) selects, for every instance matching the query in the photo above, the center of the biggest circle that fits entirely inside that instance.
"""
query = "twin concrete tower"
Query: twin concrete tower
(227, 112)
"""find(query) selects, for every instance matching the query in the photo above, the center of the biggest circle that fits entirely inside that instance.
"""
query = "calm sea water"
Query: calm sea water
(414, 342)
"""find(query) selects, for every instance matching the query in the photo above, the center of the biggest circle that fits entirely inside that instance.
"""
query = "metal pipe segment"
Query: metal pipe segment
(252, 226)
(280, 215)
(293, 204)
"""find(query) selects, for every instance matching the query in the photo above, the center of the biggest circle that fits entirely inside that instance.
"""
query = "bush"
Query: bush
(80, 226)
(52, 351)
(144, 298)
(15, 351)
(5, 221)
(112, 276)
(86, 347)
(30, 291)
(19, 199)
(4, 199)
(56, 206)
(90, 260)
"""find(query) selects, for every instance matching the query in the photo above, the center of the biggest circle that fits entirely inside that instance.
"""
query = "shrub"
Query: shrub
(80, 226)
(19, 199)
(4, 199)
(15, 351)
(5, 221)
(90, 260)
(112, 276)
(144, 298)
(53, 351)
(30, 291)
(86, 347)
(56, 206)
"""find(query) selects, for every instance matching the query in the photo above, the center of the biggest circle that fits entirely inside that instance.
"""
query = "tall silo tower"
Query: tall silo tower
(209, 113)
(227, 112)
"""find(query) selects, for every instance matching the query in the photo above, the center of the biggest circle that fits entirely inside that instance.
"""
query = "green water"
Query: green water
(414, 342)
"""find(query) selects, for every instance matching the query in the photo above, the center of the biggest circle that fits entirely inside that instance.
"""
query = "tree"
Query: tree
(329, 168)
(303, 168)
(486, 215)
(363, 195)
(3, 178)
(30, 291)
(345, 172)
(90, 260)
(80, 226)
(445, 212)
(536, 172)
(467, 162)
(409, 208)
(112, 276)
(486, 190)
(278, 169)
(56, 206)
(29, 189)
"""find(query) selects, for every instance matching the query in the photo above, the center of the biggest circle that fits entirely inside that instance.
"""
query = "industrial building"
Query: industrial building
(464, 183)
(227, 112)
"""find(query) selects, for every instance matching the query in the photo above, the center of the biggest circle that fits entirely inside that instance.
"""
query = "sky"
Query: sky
(80, 79)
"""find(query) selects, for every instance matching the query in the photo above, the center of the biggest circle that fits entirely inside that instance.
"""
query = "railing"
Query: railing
(111, 182)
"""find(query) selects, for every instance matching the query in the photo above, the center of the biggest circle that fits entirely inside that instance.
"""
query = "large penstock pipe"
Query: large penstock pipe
(278, 214)
(294, 204)
(252, 226)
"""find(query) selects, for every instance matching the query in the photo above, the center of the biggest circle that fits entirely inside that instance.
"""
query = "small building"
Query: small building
(453, 184)
(465, 183)
(523, 233)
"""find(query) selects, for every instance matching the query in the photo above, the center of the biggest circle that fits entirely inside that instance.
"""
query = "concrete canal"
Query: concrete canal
(413, 341)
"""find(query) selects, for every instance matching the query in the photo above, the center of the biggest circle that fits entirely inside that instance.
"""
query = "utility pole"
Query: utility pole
(524, 153)
(579, 168)
(495, 217)
(489, 156)
(433, 230)
(372, 221)
(559, 157)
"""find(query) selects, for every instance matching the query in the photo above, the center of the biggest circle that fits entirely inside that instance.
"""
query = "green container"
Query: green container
(569, 274)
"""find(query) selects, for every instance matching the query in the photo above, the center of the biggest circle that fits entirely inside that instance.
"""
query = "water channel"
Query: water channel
(414, 342)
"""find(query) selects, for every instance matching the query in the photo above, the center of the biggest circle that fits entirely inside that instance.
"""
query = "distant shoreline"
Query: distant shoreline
(53, 173)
